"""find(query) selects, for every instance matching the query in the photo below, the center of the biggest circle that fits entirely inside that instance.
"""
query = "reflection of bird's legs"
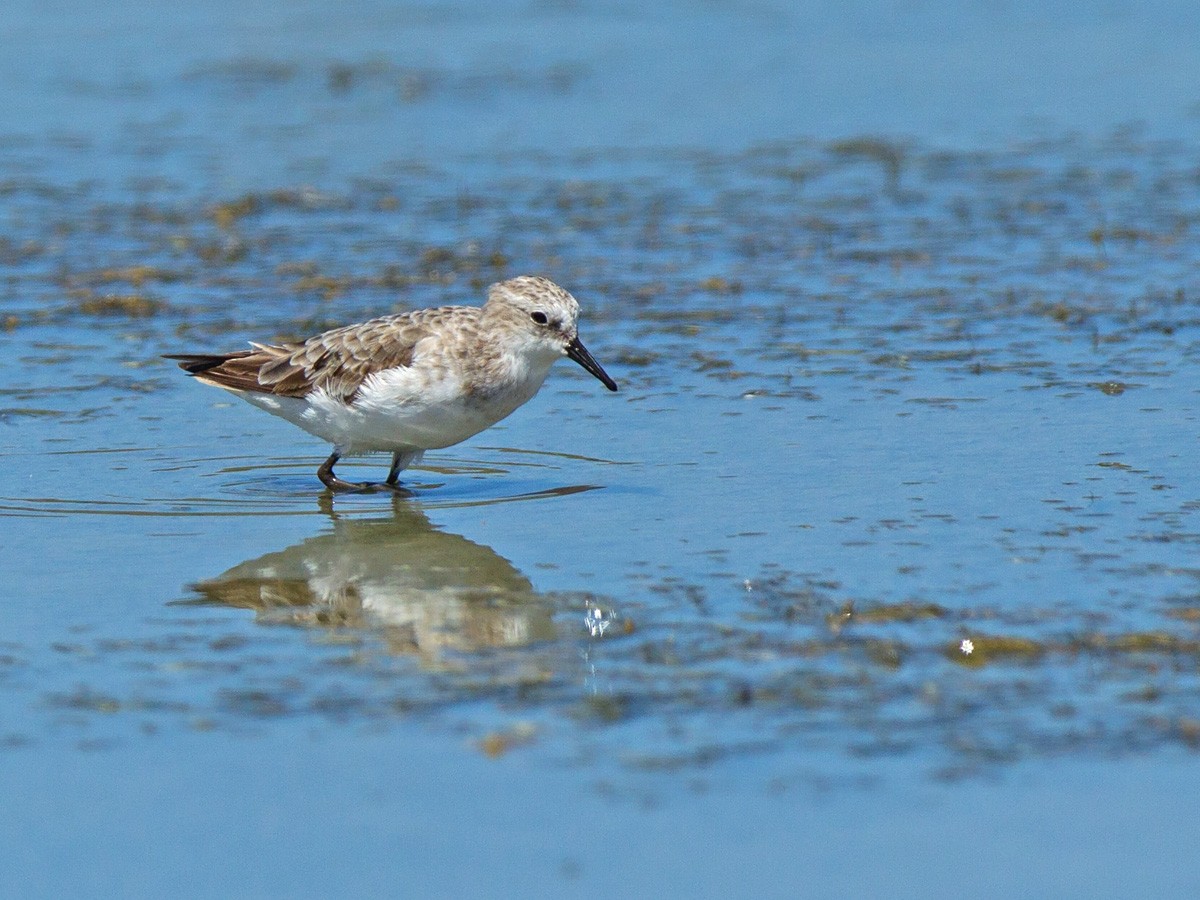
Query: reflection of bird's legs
(331, 481)
(325, 505)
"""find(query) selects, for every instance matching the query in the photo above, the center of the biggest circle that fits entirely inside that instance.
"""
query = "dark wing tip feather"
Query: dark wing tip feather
(238, 370)
(197, 363)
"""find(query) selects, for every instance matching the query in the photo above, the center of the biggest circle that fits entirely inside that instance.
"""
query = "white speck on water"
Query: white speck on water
(597, 620)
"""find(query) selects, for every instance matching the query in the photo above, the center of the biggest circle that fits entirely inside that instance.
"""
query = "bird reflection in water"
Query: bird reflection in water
(425, 591)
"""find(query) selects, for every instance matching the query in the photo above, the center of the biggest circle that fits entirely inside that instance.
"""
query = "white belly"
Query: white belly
(397, 411)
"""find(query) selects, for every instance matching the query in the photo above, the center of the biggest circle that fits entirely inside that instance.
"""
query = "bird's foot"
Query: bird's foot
(338, 486)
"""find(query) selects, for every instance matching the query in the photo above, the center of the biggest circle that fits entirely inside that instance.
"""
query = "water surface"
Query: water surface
(879, 563)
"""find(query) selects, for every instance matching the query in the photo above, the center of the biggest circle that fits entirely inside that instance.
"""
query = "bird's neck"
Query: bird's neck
(514, 375)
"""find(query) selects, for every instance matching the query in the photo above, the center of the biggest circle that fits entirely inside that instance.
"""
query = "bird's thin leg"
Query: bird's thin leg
(399, 462)
(331, 481)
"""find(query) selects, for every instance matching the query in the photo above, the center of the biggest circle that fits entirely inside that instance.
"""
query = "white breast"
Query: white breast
(403, 409)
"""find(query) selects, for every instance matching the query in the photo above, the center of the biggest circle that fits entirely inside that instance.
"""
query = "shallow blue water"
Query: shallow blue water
(880, 395)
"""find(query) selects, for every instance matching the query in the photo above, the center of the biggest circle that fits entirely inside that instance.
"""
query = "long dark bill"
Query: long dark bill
(577, 352)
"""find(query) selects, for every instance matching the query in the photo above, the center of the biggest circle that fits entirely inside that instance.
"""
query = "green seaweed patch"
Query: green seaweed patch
(84, 698)
(1188, 730)
(907, 611)
(634, 358)
(980, 650)
(604, 708)
(708, 362)
(495, 744)
(230, 212)
(16, 412)
(328, 286)
(216, 253)
(1128, 235)
(718, 285)
(255, 704)
(720, 316)
(438, 263)
(888, 154)
(1150, 693)
(889, 654)
(1142, 642)
(133, 306)
(134, 275)
(436, 257)
(897, 258)
(1061, 312)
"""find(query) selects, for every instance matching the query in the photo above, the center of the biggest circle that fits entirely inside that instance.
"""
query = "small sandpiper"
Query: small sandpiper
(411, 382)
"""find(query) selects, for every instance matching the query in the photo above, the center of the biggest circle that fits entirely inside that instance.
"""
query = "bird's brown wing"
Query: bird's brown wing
(338, 361)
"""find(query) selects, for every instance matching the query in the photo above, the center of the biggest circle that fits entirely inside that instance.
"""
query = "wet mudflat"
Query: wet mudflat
(884, 551)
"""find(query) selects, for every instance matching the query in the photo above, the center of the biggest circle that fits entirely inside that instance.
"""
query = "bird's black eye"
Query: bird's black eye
(539, 317)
